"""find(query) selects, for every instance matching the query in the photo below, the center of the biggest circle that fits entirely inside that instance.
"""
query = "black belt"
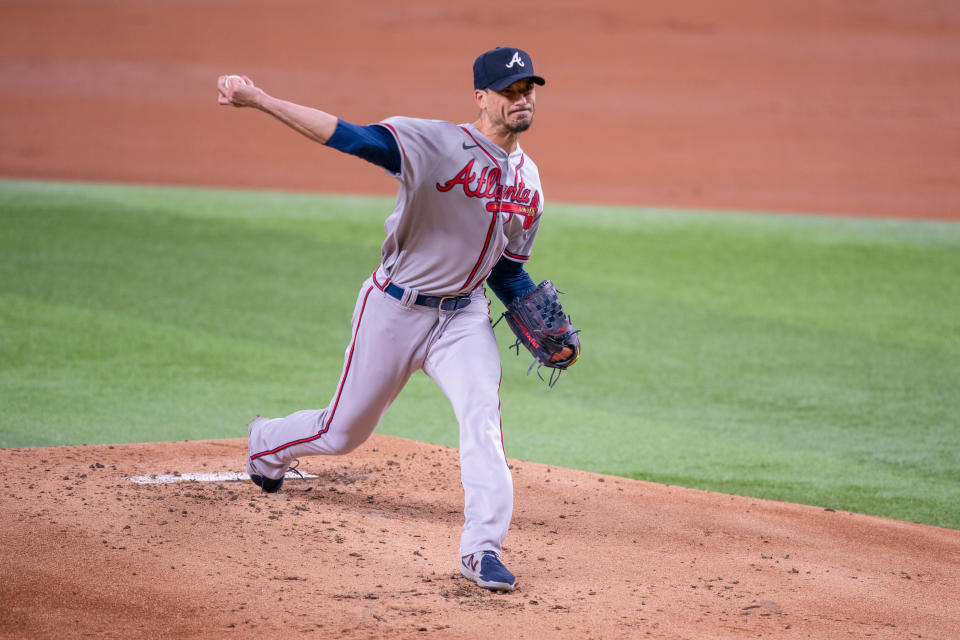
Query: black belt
(447, 303)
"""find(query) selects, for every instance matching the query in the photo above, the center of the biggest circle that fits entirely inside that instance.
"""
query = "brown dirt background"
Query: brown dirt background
(819, 107)
(824, 106)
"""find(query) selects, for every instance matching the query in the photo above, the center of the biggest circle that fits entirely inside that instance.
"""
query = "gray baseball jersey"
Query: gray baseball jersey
(463, 202)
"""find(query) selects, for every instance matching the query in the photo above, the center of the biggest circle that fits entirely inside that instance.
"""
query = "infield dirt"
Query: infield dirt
(368, 549)
(819, 107)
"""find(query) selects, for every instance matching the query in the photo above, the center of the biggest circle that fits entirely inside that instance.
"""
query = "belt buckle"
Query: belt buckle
(456, 302)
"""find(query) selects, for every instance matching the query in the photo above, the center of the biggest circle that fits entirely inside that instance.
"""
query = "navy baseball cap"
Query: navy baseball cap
(498, 68)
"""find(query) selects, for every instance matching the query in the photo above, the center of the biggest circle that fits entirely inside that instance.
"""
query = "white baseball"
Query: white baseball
(238, 79)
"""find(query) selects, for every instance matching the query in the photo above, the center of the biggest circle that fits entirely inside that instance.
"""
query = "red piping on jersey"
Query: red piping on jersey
(395, 135)
(515, 256)
(482, 148)
(486, 245)
(481, 281)
(493, 217)
(382, 287)
(336, 401)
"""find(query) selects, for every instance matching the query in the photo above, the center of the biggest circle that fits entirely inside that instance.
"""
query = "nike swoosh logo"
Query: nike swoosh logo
(468, 146)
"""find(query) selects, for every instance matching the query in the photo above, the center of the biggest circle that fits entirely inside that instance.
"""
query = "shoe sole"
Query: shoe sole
(494, 586)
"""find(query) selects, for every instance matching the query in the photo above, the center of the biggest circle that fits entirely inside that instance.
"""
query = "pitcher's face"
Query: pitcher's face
(512, 108)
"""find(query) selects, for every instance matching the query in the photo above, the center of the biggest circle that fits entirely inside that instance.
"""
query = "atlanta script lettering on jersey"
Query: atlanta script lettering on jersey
(509, 199)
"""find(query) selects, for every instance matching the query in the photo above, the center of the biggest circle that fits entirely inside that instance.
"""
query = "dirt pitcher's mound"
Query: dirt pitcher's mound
(368, 548)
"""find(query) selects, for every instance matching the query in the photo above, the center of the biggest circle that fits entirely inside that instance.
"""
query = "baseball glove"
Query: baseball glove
(538, 321)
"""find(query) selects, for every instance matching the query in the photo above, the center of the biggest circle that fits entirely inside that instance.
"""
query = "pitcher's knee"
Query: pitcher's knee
(341, 440)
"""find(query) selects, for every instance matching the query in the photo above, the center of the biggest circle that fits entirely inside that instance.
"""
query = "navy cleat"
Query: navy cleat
(267, 484)
(486, 569)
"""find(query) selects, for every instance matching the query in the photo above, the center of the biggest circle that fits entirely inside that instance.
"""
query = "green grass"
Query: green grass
(814, 360)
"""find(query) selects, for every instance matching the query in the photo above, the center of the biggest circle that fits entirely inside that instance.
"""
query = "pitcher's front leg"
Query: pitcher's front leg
(465, 363)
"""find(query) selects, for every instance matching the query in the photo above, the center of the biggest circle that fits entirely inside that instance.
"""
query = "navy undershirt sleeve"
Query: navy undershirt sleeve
(509, 280)
(373, 143)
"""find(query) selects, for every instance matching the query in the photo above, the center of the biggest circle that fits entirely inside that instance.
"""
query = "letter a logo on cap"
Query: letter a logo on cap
(515, 60)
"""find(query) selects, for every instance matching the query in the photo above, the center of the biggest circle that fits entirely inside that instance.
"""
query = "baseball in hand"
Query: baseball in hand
(231, 81)
(228, 86)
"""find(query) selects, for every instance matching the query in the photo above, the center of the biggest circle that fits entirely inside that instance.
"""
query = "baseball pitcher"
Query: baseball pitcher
(468, 208)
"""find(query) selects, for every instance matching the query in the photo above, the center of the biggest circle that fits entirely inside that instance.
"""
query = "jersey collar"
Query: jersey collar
(491, 146)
